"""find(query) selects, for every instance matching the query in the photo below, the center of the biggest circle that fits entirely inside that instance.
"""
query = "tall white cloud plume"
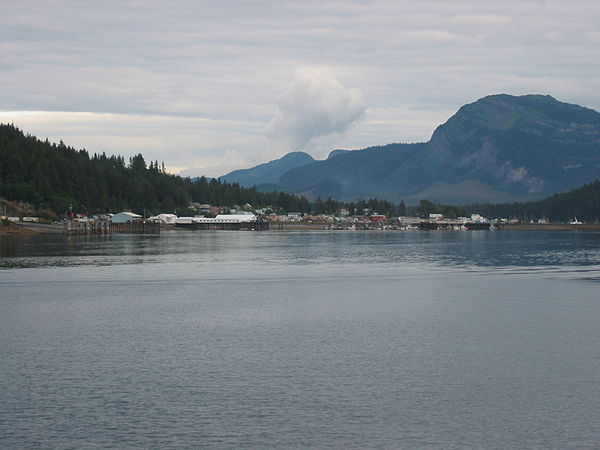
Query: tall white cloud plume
(314, 106)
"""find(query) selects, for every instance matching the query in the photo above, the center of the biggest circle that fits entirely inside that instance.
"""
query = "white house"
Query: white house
(164, 218)
(125, 216)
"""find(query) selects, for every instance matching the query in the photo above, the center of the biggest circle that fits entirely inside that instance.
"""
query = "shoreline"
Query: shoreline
(28, 229)
(552, 226)
(16, 230)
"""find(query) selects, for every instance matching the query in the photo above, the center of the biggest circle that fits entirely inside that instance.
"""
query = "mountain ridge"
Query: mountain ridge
(269, 172)
(499, 148)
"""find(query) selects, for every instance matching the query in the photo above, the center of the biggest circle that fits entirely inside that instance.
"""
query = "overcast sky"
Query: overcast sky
(208, 87)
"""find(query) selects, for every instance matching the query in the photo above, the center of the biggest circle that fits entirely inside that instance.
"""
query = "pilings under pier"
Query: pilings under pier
(440, 225)
(104, 227)
(234, 226)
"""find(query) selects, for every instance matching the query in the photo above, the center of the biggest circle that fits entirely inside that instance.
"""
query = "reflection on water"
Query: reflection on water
(286, 340)
(449, 250)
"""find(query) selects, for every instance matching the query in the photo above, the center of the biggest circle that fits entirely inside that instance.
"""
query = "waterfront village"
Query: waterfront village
(245, 217)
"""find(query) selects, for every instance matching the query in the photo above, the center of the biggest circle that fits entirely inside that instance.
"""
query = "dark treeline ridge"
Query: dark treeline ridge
(425, 207)
(582, 203)
(359, 207)
(53, 177)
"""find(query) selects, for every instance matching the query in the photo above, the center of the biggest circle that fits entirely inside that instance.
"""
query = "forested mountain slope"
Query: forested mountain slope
(499, 148)
(54, 176)
(268, 173)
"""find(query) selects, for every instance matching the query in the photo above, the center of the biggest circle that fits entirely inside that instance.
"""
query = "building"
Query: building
(378, 218)
(222, 222)
(164, 218)
(125, 216)
(220, 219)
(235, 218)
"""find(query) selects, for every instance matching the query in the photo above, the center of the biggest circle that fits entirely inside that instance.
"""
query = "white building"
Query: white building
(236, 218)
(125, 216)
(221, 218)
(164, 218)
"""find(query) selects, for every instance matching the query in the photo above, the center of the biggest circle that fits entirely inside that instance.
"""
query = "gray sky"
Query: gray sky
(208, 87)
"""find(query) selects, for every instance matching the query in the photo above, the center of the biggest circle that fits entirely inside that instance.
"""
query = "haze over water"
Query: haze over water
(301, 339)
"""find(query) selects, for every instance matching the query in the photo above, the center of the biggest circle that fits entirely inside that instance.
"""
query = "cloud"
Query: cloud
(219, 165)
(314, 106)
(189, 82)
(198, 147)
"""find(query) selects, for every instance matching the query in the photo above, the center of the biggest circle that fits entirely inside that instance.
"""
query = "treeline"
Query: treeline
(359, 207)
(54, 177)
(582, 203)
(425, 207)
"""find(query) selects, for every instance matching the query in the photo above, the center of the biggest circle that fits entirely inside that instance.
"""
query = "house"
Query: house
(164, 218)
(125, 216)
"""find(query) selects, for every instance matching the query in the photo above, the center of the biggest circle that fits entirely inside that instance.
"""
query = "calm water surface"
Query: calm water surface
(301, 339)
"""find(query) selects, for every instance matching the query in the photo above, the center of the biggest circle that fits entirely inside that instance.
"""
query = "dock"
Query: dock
(224, 225)
(104, 227)
(452, 225)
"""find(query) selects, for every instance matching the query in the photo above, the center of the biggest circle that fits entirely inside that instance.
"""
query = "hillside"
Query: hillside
(582, 203)
(268, 173)
(500, 148)
(46, 178)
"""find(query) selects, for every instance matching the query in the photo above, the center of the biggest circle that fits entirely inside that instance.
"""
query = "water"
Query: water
(291, 339)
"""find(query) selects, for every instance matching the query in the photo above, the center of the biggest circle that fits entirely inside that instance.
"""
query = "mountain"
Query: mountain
(497, 149)
(334, 153)
(268, 173)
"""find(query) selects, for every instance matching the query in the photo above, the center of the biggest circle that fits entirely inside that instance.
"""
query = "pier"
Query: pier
(452, 225)
(224, 225)
(105, 227)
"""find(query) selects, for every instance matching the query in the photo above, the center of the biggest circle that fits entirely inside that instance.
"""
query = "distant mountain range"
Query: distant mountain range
(500, 148)
(268, 173)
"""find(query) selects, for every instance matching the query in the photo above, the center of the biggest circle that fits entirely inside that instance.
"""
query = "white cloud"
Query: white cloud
(314, 106)
(188, 145)
(218, 165)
